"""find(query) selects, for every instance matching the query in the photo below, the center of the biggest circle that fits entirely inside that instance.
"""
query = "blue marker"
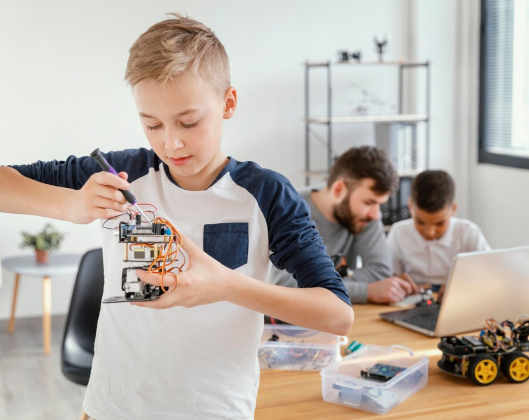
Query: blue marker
(96, 154)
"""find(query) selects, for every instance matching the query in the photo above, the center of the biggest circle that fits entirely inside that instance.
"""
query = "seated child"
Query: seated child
(423, 247)
(196, 356)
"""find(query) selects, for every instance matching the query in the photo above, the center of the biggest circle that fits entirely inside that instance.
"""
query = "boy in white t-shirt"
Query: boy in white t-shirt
(424, 246)
(196, 358)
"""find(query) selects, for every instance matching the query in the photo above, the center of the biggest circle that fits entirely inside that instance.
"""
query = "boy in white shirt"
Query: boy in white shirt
(424, 246)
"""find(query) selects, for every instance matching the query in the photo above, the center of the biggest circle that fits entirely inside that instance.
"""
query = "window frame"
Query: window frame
(484, 156)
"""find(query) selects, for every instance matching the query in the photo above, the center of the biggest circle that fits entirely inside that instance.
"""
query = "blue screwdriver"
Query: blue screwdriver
(96, 154)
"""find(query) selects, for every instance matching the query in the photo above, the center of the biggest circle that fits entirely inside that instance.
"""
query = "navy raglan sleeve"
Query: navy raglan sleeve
(75, 171)
(294, 242)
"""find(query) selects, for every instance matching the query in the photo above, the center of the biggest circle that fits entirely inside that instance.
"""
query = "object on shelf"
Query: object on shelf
(345, 55)
(370, 101)
(396, 208)
(399, 141)
(362, 110)
(381, 46)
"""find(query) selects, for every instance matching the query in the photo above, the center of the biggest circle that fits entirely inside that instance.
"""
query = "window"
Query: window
(504, 83)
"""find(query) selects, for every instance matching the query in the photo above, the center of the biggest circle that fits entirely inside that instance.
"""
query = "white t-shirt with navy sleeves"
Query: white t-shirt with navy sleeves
(201, 362)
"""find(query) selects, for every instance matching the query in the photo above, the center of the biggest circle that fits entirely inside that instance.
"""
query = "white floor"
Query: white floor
(32, 386)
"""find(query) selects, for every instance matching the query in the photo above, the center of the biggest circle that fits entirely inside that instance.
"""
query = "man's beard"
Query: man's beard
(345, 217)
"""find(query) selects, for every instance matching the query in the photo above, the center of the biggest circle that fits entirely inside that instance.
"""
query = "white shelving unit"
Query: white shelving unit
(331, 119)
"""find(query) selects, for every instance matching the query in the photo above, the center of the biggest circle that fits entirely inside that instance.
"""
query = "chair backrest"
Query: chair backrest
(81, 324)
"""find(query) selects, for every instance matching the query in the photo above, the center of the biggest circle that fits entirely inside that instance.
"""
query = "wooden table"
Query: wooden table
(297, 394)
(58, 265)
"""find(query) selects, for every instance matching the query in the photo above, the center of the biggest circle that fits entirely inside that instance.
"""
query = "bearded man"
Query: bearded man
(346, 212)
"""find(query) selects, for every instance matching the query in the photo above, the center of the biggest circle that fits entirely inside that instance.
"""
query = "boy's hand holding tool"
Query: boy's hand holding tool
(99, 198)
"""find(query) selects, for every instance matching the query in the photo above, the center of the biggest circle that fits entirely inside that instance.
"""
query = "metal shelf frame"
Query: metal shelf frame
(329, 119)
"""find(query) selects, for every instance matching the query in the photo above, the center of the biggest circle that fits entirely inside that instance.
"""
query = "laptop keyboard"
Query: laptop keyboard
(426, 321)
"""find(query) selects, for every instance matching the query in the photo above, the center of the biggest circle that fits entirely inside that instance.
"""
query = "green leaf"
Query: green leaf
(49, 239)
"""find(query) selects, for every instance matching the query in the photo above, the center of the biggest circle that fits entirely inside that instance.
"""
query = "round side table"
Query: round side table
(58, 265)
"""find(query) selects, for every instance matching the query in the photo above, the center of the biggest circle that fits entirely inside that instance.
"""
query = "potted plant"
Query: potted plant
(44, 242)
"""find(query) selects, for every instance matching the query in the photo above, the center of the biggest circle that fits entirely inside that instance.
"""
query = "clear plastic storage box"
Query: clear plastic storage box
(295, 348)
(375, 378)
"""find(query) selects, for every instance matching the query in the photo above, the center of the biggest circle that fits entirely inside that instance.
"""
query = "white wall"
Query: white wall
(490, 195)
(63, 92)
(498, 199)
(499, 203)
(436, 39)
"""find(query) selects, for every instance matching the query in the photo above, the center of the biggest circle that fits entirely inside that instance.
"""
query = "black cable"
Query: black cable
(119, 215)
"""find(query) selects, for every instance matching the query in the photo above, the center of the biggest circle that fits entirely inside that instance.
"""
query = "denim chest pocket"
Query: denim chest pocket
(227, 243)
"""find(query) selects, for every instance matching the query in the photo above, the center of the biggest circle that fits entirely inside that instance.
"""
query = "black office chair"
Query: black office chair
(77, 350)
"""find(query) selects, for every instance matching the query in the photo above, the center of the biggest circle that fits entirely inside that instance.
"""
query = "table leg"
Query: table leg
(46, 320)
(84, 416)
(11, 326)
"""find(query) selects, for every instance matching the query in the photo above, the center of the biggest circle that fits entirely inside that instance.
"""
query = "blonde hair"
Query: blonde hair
(176, 46)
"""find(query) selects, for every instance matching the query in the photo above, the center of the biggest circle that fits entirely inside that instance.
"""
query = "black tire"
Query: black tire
(483, 370)
(515, 367)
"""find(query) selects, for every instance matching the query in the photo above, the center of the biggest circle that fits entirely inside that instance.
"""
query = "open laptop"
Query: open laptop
(481, 285)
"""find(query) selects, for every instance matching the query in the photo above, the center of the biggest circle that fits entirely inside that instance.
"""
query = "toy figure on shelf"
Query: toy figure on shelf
(345, 55)
(381, 47)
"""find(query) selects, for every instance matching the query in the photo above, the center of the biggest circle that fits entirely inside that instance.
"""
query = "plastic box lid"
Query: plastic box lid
(291, 347)
(343, 383)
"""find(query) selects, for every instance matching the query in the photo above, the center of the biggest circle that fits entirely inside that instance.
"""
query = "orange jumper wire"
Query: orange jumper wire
(162, 270)
(175, 238)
